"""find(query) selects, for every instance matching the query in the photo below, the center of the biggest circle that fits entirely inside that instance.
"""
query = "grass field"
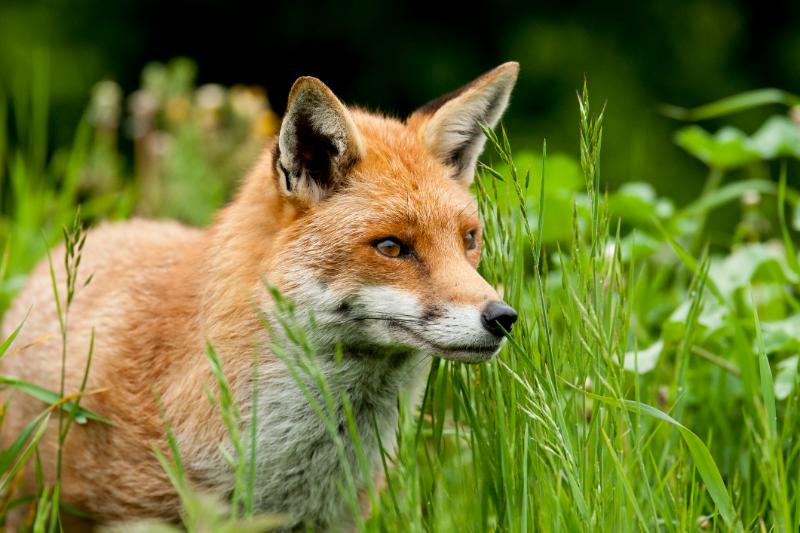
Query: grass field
(650, 383)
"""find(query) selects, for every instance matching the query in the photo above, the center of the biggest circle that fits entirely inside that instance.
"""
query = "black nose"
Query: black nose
(497, 316)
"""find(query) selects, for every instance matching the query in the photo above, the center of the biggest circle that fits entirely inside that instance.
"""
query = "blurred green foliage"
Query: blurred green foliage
(396, 55)
(190, 146)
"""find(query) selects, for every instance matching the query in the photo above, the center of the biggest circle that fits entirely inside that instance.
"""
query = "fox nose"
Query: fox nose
(497, 316)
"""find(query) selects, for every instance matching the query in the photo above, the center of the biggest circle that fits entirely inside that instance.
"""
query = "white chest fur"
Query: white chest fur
(300, 465)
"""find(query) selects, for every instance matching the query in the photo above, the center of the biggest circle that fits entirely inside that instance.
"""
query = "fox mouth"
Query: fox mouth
(472, 353)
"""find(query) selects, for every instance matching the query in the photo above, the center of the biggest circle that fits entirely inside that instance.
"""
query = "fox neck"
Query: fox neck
(240, 242)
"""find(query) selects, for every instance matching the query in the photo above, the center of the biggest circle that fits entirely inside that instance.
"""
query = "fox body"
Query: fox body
(364, 222)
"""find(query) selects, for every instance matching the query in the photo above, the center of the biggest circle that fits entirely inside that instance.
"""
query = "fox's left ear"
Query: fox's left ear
(449, 126)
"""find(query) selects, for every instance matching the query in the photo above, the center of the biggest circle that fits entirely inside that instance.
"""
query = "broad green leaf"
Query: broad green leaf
(643, 361)
(770, 300)
(563, 173)
(728, 148)
(713, 318)
(727, 193)
(778, 137)
(638, 244)
(781, 335)
(750, 263)
(786, 377)
(732, 104)
(564, 179)
(637, 202)
(557, 218)
(731, 148)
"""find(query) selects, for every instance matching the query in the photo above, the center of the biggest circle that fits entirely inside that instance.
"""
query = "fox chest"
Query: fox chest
(305, 450)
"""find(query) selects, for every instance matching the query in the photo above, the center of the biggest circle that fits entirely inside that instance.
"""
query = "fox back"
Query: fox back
(364, 223)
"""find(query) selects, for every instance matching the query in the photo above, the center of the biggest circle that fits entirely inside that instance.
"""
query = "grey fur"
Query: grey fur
(299, 468)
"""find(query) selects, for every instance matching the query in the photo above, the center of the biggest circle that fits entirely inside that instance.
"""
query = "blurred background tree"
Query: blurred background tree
(396, 55)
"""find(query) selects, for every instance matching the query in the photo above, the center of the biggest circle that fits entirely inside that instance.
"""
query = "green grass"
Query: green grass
(649, 384)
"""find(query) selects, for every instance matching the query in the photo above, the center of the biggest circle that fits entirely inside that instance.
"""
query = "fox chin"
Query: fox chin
(364, 222)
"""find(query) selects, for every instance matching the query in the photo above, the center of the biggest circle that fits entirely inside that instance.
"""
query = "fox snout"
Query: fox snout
(466, 333)
(498, 318)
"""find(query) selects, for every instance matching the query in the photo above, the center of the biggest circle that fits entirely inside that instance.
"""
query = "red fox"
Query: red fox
(365, 222)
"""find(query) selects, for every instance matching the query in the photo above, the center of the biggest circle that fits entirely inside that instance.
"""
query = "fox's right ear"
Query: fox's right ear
(318, 142)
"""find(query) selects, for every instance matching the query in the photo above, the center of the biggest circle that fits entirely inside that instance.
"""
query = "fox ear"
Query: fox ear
(449, 125)
(318, 142)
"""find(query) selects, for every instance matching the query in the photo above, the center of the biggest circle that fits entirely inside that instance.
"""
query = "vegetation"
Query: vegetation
(651, 382)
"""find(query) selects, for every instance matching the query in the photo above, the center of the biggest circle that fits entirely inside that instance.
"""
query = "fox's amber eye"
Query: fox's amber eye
(390, 248)
(470, 242)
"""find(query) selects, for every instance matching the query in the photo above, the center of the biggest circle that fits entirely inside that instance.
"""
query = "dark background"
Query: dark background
(394, 56)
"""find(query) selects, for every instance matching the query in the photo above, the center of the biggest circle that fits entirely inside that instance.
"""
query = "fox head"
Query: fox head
(386, 240)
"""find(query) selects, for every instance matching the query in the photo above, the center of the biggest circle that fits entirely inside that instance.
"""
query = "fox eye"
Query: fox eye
(391, 247)
(470, 242)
